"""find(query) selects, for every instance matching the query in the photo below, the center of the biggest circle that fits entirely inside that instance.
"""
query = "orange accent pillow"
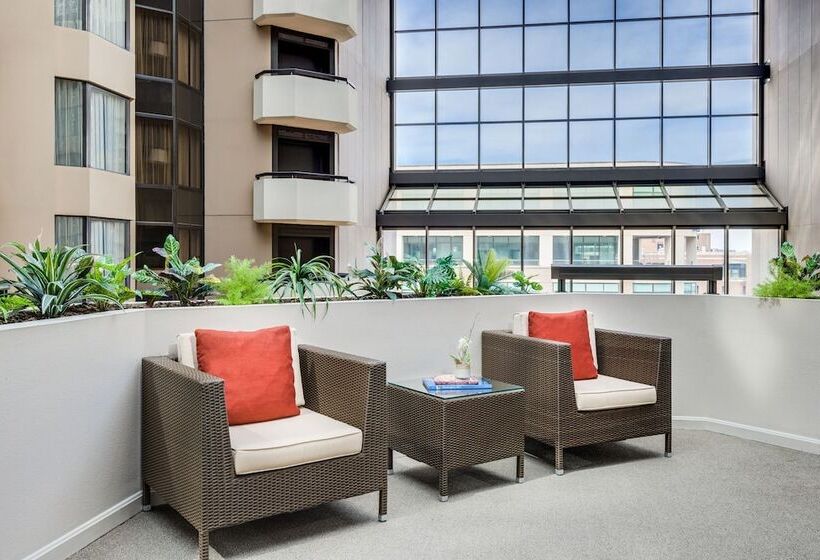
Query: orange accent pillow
(571, 328)
(257, 368)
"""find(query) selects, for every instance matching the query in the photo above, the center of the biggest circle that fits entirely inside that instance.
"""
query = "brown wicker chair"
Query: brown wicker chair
(186, 451)
(544, 368)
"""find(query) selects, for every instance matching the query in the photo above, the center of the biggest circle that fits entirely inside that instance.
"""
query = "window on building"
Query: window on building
(91, 127)
(189, 157)
(98, 236)
(438, 246)
(304, 52)
(509, 247)
(154, 44)
(189, 55)
(154, 149)
(105, 18)
(303, 150)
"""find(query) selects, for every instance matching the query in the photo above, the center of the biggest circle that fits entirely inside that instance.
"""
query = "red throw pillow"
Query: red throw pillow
(257, 368)
(571, 328)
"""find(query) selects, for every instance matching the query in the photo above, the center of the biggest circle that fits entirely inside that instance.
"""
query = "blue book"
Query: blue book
(482, 385)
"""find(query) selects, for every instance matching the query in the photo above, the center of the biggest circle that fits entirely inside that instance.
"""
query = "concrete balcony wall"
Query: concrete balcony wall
(305, 102)
(336, 19)
(304, 201)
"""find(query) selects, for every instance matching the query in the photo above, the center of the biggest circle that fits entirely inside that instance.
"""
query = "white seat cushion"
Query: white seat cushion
(287, 442)
(186, 355)
(521, 326)
(604, 392)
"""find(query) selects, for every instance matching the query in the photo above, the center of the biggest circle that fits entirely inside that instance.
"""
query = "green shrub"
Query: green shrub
(185, 281)
(386, 276)
(785, 286)
(790, 277)
(525, 284)
(111, 279)
(53, 280)
(437, 281)
(11, 305)
(306, 282)
(245, 284)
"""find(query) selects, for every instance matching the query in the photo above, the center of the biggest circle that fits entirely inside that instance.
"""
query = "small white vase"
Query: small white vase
(461, 371)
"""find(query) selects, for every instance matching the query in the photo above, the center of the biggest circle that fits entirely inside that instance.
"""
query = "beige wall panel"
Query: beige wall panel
(236, 235)
(80, 191)
(84, 56)
(228, 9)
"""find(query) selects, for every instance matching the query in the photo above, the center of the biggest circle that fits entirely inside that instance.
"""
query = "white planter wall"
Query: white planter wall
(69, 389)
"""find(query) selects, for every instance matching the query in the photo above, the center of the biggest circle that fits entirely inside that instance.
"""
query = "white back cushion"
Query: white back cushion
(186, 355)
(521, 326)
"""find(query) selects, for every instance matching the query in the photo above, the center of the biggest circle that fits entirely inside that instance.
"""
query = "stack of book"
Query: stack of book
(452, 383)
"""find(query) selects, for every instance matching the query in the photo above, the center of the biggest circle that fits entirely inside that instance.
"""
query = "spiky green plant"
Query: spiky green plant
(54, 279)
(386, 276)
(185, 281)
(308, 282)
(245, 283)
(112, 279)
(488, 273)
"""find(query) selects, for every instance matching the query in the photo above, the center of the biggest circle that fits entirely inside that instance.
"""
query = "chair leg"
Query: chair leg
(519, 469)
(668, 437)
(204, 545)
(389, 461)
(383, 504)
(146, 497)
(559, 460)
(443, 486)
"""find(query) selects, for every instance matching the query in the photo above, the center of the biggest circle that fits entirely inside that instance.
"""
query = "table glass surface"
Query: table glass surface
(416, 384)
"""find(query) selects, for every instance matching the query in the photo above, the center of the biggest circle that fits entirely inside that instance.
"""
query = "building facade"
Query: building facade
(550, 131)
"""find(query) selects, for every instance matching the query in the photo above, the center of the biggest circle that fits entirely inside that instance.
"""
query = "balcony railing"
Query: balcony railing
(711, 274)
(335, 19)
(296, 197)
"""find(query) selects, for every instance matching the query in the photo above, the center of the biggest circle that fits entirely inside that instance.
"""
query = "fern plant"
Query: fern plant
(791, 277)
(244, 283)
(488, 273)
(306, 282)
(12, 305)
(185, 281)
(54, 279)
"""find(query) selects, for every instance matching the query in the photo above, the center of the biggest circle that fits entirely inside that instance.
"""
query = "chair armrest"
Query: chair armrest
(185, 443)
(542, 367)
(635, 357)
(348, 388)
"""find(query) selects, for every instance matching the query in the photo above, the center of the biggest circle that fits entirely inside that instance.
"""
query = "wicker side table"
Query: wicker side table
(450, 430)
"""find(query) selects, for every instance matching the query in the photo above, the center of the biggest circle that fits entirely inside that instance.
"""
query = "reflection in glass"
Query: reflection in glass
(733, 140)
(545, 144)
(457, 13)
(501, 145)
(501, 12)
(545, 11)
(415, 54)
(414, 14)
(733, 6)
(686, 42)
(732, 97)
(591, 46)
(685, 98)
(684, 141)
(457, 105)
(638, 44)
(415, 147)
(501, 104)
(545, 103)
(591, 10)
(501, 51)
(457, 146)
(638, 99)
(545, 48)
(685, 7)
(734, 40)
(415, 106)
(628, 9)
(457, 52)
(637, 142)
(591, 101)
(590, 143)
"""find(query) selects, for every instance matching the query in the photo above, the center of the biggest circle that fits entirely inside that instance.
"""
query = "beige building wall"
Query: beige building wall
(792, 115)
(33, 52)
(236, 148)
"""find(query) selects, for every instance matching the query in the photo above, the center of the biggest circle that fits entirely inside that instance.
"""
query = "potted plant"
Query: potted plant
(463, 358)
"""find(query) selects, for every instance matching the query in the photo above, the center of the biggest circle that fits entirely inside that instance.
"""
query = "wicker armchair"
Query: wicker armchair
(544, 368)
(186, 450)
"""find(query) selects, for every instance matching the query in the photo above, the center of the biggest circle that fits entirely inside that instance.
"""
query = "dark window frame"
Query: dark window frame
(87, 229)
(279, 35)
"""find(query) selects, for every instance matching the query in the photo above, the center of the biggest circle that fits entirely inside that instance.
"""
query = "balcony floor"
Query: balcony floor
(718, 497)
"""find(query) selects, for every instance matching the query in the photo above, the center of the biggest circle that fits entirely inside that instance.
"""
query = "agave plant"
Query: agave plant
(112, 279)
(488, 273)
(185, 281)
(386, 277)
(54, 279)
(306, 282)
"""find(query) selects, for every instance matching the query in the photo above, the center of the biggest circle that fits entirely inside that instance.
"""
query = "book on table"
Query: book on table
(481, 385)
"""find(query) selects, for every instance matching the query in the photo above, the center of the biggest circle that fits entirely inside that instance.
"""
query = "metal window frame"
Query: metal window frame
(86, 229)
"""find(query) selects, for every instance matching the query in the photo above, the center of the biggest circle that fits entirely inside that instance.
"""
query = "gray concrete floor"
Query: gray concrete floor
(718, 497)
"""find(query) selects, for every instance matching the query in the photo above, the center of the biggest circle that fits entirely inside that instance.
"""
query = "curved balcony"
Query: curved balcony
(336, 19)
(304, 99)
(304, 198)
